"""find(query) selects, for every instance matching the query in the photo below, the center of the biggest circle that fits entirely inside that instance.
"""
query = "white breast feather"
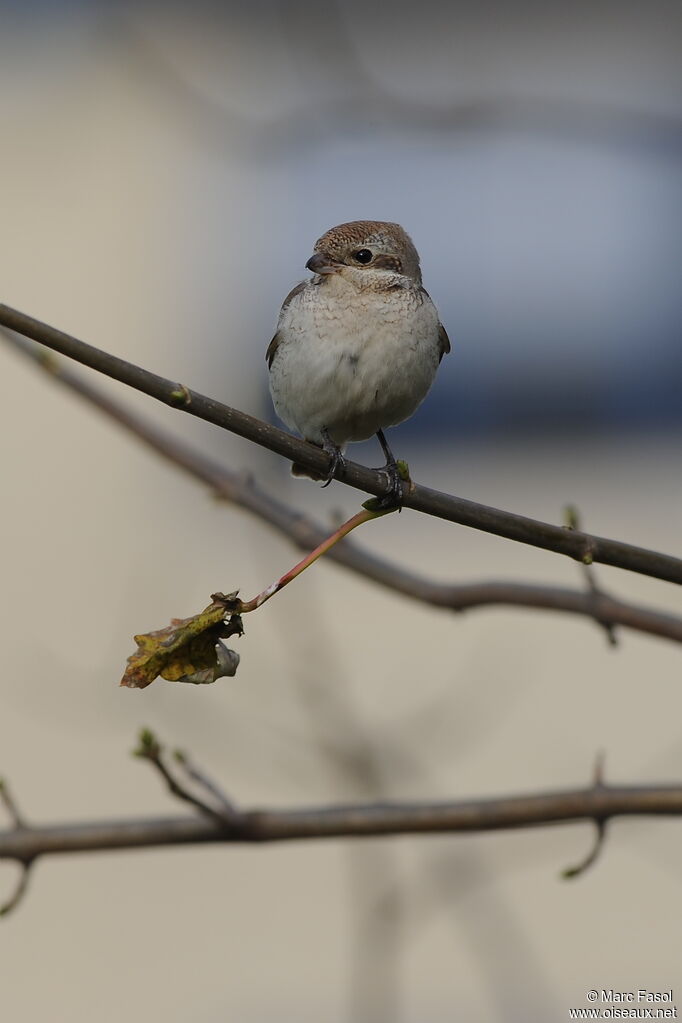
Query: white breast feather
(353, 362)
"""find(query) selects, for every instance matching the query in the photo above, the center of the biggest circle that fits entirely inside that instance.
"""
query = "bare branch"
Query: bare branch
(241, 490)
(598, 803)
(348, 821)
(580, 546)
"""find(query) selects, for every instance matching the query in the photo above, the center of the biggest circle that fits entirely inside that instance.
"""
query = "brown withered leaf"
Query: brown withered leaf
(189, 649)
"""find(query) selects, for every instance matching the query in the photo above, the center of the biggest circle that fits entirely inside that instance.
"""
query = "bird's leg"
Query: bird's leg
(336, 459)
(395, 477)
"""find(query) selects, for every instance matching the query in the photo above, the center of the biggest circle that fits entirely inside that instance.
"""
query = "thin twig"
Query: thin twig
(201, 778)
(20, 889)
(242, 491)
(593, 855)
(445, 506)
(21, 886)
(9, 804)
(594, 590)
(600, 828)
(150, 749)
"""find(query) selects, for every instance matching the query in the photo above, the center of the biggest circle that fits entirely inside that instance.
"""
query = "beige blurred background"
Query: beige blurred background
(165, 172)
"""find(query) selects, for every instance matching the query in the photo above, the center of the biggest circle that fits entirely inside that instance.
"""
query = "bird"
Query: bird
(357, 346)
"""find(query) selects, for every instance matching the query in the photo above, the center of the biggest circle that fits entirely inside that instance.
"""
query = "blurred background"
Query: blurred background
(166, 169)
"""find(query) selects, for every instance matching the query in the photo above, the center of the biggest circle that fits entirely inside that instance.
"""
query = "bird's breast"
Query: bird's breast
(353, 362)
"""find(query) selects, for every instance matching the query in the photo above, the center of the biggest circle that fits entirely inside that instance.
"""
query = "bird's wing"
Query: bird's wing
(272, 348)
(443, 339)
(274, 344)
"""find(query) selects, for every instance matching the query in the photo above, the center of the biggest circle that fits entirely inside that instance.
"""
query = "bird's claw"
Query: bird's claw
(337, 462)
(394, 497)
(396, 472)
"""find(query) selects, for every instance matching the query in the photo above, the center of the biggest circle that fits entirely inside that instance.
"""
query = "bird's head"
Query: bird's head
(367, 254)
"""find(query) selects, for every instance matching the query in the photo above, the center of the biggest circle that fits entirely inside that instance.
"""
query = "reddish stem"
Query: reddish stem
(356, 520)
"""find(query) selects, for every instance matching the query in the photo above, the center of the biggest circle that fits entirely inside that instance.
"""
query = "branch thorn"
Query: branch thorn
(19, 891)
(10, 805)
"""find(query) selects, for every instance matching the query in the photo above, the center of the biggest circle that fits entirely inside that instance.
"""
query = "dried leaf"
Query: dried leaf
(187, 650)
(225, 663)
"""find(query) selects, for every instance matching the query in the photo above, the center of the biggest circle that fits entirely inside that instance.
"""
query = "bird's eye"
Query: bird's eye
(363, 256)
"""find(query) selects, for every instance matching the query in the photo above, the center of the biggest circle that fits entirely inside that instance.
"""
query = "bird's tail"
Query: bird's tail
(301, 471)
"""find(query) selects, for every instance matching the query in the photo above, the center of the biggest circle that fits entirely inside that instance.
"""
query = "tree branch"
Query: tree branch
(231, 825)
(580, 546)
(241, 490)
(350, 821)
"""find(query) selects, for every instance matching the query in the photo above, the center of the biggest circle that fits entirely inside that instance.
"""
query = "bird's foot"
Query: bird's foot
(336, 460)
(396, 473)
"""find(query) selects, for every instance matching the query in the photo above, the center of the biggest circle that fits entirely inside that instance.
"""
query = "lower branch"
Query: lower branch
(598, 803)
(221, 821)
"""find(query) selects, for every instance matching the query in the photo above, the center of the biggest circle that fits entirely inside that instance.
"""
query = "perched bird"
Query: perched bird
(357, 346)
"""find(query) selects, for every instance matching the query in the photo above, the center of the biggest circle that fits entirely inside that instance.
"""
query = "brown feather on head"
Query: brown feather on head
(374, 244)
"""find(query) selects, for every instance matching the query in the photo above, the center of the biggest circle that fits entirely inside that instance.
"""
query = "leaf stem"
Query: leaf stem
(366, 515)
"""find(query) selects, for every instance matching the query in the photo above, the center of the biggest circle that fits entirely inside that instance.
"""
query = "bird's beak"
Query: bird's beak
(322, 263)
